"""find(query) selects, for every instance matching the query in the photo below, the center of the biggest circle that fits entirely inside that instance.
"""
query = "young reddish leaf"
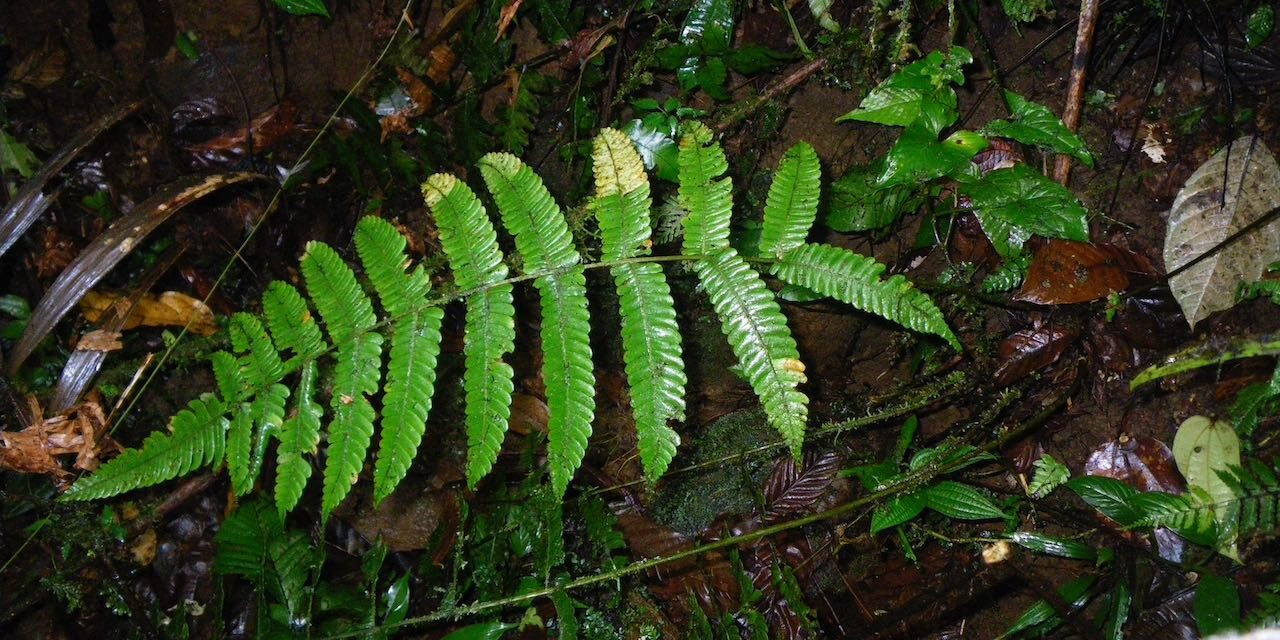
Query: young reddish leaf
(792, 490)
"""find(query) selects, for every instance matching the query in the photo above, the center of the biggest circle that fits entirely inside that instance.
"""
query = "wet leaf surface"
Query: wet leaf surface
(1065, 272)
(1029, 350)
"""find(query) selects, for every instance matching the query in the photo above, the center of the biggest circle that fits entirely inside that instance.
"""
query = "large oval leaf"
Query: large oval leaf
(1230, 191)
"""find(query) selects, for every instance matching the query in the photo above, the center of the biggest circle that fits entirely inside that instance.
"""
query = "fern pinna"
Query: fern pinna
(267, 387)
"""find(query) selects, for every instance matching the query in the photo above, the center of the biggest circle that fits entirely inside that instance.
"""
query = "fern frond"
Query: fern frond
(758, 333)
(1257, 492)
(348, 317)
(855, 280)
(622, 200)
(470, 242)
(529, 212)
(792, 205)
(292, 326)
(653, 362)
(1186, 515)
(650, 336)
(415, 345)
(226, 373)
(197, 438)
(239, 448)
(488, 381)
(543, 239)
(709, 201)
(466, 234)
(299, 437)
(261, 361)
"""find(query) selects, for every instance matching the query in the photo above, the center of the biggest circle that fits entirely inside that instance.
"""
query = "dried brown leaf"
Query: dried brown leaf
(1068, 272)
(1030, 350)
(168, 309)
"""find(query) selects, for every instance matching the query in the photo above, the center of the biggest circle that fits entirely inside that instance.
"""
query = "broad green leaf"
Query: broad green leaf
(919, 157)
(753, 58)
(1216, 605)
(1035, 124)
(658, 149)
(1113, 498)
(899, 509)
(16, 156)
(1203, 448)
(1026, 199)
(1260, 25)
(961, 501)
(919, 93)
(303, 7)
(860, 203)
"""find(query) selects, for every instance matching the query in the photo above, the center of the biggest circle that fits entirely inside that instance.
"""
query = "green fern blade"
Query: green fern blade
(299, 437)
(466, 233)
(757, 331)
(197, 438)
(855, 280)
(622, 202)
(226, 373)
(355, 378)
(566, 370)
(239, 447)
(268, 419)
(708, 201)
(411, 378)
(792, 205)
(262, 363)
(652, 355)
(346, 310)
(292, 325)
(488, 380)
(382, 253)
(529, 212)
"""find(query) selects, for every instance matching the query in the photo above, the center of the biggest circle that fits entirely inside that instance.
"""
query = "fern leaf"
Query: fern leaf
(292, 325)
(197, 438)
(226, 372)
(708, 201)
(348, 316)
(239, 447)
(758, 333)
(855, 280)
(488, 381)
(542, 237)
(650, 336)
(652, 356)
(622, 199)
(262, 363)
(299, 437)
(470, 242)
(792, 204)
(529, 212)
(466, 234)
(1257, 493)
(415, 345)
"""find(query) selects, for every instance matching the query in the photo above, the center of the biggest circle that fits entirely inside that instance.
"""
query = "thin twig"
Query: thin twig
(1075, 87)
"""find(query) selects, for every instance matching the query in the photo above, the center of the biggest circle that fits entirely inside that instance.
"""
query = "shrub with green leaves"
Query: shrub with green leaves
(268, 390)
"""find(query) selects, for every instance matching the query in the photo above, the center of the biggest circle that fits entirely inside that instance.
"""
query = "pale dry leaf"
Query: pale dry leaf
(1153, 143)
(506, 17)
(1231, 190)
(168, 309)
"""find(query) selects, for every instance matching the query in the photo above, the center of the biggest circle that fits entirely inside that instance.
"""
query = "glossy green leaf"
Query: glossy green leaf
(919, 157)
(919, 93)
(658, 149)
(899, 509)
(961, 501)
(792, 203)
(1035, 124)
(1026, 199)
(1260, 25)
(303, 7)
(860, 203)
(1053, 546)
(1113, 498)
(1216, 605)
